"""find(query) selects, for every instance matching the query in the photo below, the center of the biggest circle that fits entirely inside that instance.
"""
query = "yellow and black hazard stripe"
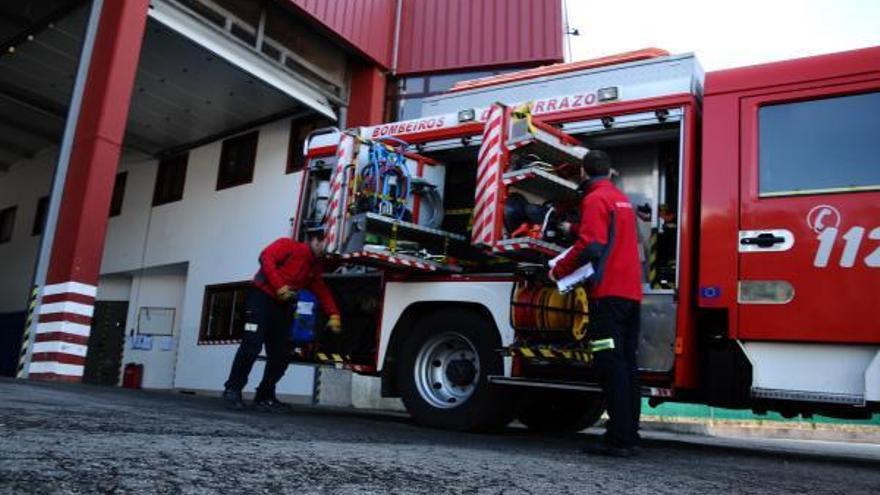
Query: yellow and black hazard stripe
(652, 261)
(542, 353)
(26, 335)
(330, 357)
(549, 353)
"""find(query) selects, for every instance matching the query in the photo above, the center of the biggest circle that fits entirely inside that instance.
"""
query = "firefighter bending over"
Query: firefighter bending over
(286, 266)
(607, 238)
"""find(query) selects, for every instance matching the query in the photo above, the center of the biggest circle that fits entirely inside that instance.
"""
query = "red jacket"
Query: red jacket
(291, 263)
(606, 237)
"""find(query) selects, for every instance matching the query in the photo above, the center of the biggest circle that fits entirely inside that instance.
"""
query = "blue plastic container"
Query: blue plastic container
(305, 320)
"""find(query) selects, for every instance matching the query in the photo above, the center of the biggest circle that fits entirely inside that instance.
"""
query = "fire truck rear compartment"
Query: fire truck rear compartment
(646, 160)
(358, 296)
(401, 209)
(458, 188)
(646, 166)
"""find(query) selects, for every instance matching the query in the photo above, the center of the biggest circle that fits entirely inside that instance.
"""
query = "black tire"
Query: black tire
(488, 407)
(559, 411)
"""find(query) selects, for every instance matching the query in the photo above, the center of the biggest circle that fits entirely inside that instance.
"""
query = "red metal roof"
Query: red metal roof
(863, 61)
(367, 25)
(442, 35)
(548, 70)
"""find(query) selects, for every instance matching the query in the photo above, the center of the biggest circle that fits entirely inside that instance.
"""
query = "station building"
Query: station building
(149, 149)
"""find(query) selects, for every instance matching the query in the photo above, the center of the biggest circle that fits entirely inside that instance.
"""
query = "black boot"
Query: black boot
(270, 404)
(602, 448)
(233, 398)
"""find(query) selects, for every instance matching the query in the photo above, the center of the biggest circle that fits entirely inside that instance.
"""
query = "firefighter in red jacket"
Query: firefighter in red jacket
(607, 238)
(285, 267)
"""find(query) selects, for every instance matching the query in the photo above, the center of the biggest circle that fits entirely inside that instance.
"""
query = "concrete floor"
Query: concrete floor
(80, 439)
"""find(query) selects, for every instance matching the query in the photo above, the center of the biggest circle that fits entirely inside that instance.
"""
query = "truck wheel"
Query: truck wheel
(442, 373)
(557, 411)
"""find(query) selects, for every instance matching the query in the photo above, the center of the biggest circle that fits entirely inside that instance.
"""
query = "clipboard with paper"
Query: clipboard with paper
(573, 279)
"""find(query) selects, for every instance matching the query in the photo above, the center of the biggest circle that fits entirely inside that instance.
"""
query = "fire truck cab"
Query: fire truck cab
(758, 194)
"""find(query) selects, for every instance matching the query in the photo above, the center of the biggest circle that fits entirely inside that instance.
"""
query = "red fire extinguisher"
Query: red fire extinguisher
(133, 375)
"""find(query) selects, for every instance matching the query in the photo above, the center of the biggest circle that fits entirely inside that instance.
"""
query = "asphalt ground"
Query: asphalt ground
(57, 438)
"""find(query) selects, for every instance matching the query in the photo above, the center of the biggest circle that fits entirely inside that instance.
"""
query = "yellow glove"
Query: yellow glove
(334, 323)
(285, 294)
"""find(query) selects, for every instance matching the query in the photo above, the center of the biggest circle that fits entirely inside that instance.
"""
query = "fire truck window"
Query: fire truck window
(825, 145)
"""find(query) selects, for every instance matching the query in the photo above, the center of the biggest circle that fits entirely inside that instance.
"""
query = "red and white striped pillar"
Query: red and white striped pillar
(68, 296)
(63, 325)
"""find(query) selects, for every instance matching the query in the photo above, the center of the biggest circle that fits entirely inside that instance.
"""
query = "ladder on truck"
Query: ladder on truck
(522, 157)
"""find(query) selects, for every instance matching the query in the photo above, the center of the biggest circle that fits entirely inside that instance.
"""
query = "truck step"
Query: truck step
(549, 354)
(647, 391)
(557, 384)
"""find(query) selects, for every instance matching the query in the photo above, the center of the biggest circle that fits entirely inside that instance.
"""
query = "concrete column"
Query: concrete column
(67, 301)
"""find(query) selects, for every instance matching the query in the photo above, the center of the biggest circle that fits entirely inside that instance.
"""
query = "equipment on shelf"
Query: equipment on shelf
(431, 201)
(520, 162)
(525, 219)
(564, 171)
(384, 182)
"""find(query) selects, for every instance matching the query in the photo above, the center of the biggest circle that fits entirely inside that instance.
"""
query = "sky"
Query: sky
(724, 34)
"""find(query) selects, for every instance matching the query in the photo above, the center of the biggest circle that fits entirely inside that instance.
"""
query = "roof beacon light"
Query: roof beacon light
(607, 94)
(466, 115)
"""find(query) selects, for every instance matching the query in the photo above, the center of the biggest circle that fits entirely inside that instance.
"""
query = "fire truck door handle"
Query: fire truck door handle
(763, 240)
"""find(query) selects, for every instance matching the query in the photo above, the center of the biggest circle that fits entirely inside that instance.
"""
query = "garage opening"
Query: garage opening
(208, 71)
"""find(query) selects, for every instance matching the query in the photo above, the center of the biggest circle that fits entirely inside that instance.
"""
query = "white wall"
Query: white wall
(114, 288)
(161, 287)
(219, 234)
(23, 185)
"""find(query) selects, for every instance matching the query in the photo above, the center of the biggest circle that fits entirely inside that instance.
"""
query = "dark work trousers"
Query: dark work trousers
(267, 321)
(618, 318)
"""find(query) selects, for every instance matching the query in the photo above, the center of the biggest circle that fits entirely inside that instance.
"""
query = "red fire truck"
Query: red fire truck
(758, 191)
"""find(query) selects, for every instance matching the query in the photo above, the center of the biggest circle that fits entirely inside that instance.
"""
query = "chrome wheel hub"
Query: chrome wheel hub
(447, 369)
